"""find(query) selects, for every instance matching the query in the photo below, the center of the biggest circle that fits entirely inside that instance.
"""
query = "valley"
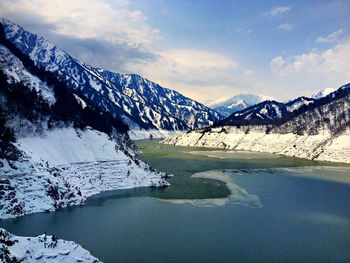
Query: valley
(102, 166)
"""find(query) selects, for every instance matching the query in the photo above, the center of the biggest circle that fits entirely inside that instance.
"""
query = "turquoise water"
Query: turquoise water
(299, 214)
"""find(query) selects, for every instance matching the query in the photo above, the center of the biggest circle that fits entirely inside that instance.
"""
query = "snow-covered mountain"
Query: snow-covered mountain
(238, 103)
(267, 112)
(322, 93)
(142, 104)
(57, 147)
(317, 131)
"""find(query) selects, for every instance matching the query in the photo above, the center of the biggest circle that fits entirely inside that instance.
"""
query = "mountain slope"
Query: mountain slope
(266, 112)
(56, 147)
(322, 93)
(318, 131)
(130, 97)
(238, 103)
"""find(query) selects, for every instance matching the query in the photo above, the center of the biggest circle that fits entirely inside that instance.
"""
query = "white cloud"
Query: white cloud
(113, 21)
(201, 75)
(277, 64)
(248, 73)
(332, 37)
(286, 27)
(278, 10)
(331, 63)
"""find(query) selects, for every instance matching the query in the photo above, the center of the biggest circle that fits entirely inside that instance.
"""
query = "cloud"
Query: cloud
(330, 63)
(286, 27)
(278, 10)
(332, 37)
(115, 36)
(277, 64)
(111, 20)
(102, 33)
(196, 73)
(248, 73)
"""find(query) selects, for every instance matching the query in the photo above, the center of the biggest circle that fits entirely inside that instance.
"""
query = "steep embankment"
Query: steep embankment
(321, 132)
(65, 166)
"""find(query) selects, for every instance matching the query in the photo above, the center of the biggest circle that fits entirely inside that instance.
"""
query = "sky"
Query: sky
(208, 50)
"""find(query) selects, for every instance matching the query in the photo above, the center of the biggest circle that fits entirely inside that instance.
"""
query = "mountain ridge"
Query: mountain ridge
(317, 131)
(238, 103)
(108, 96)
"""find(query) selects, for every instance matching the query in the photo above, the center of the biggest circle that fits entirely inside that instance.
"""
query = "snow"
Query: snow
(66, 166)
(298, 103)
(141, 134)
(323, 93)
(68, 145)
(322, 147)
(238, 103)
(139, 100)
(14, 69)
(80, 101)
(43, 248)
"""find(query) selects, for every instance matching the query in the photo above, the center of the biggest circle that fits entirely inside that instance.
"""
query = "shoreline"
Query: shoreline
(320, 147)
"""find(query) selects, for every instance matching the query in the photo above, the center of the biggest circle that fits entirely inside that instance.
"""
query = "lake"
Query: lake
(220, 207)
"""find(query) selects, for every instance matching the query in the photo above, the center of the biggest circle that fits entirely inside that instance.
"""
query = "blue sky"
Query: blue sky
(208, 50)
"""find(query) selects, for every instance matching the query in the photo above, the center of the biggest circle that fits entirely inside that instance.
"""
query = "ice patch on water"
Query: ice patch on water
(234, 154)
(238, 194)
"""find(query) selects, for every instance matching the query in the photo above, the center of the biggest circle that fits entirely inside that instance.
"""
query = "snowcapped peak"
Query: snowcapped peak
(322, 93)
(238, 103)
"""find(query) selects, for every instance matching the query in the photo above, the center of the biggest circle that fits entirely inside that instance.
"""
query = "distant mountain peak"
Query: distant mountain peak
(322, 93)
(238, 103)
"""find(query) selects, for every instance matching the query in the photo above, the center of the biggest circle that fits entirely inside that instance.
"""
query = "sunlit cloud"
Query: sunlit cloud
(332, 62)
(193, 72)
(112, 21)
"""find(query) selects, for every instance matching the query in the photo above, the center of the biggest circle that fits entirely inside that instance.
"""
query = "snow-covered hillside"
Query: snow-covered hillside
(320, 132)
(65, 166)
(322, 93)
(238, 103)
(321, 147)
(43, 248)
(142, 104)
(13, 67)
(56, 148)
(266, 112)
